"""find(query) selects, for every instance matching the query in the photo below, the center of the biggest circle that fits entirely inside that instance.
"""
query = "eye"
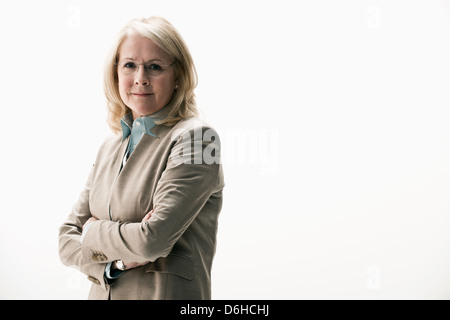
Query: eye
(129, 65)
(154, 67)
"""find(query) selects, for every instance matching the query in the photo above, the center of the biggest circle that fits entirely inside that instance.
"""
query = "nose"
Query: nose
(141, 77)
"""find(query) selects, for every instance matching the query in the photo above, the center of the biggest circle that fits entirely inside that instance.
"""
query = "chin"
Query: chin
(143, 111)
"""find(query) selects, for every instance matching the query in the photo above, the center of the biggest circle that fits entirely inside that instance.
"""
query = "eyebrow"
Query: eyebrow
(151, 60)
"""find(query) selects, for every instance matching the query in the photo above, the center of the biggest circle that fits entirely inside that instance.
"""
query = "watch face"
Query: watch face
(120, 265)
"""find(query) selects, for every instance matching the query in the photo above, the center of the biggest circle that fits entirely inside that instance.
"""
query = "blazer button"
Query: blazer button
(94, 280)
(98, 256)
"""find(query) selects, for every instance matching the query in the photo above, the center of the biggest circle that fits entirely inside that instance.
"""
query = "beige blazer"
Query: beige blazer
(177, 173)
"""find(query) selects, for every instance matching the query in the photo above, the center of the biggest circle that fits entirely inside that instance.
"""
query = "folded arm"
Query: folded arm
(182, 191)
(70, 237)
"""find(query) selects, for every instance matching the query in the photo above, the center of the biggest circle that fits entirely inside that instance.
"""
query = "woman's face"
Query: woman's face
(146, 75)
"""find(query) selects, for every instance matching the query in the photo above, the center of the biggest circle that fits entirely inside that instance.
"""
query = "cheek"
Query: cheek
(163, 86)
(124, 85)
(124, 89)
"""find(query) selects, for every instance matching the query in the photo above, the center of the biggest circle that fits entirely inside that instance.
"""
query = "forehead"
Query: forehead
(139, 48)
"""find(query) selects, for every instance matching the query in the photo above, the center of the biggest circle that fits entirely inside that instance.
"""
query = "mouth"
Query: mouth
(141, 94)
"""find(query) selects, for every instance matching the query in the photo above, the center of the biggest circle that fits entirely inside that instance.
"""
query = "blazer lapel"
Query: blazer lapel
(120, 155)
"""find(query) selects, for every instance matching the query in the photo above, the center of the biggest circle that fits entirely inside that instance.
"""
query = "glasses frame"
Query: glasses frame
(146, 65)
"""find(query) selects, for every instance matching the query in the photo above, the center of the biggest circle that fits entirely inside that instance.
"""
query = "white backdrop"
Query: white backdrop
(334, 119)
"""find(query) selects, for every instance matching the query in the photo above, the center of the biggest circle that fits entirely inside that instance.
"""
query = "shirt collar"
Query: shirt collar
(147, 122)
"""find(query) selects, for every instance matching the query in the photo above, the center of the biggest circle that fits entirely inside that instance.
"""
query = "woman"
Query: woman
(145, 225)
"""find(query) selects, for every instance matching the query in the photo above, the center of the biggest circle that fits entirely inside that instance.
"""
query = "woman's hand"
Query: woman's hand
(91, 219)
(130, 265)
(148, 215)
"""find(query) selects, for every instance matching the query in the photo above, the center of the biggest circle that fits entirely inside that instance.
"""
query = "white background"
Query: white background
(334, 119)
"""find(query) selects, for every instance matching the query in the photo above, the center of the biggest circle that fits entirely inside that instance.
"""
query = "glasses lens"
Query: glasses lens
(152, 69)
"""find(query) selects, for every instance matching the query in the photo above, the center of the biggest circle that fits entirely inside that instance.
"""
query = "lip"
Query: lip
(141, 94)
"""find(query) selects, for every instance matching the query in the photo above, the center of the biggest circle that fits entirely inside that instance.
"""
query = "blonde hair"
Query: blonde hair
(163, 33)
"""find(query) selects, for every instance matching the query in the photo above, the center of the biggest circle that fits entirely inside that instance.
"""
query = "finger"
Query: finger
(87, 222)
(148, 215)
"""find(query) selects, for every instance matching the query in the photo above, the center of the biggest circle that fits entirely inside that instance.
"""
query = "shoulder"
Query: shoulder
(195, 127)
(109, 146)
(194, 141)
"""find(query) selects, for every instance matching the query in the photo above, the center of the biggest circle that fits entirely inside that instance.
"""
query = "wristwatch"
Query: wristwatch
(120, 265)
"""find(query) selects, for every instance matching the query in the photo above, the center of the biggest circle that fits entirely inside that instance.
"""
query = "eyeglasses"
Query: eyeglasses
(152, 68)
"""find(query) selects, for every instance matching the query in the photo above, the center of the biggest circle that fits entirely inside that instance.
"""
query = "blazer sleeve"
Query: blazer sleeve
(70, 234)
(192, 175)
